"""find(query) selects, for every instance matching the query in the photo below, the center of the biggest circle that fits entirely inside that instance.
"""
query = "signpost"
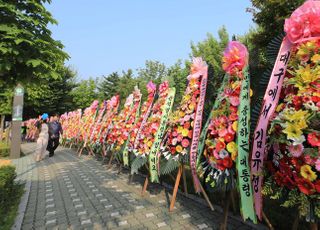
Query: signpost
(17, 112)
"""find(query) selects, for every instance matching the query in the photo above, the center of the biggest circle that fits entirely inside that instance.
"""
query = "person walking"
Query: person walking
(42, 140)
(55, 129)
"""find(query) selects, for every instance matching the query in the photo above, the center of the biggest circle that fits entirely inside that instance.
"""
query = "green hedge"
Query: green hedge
(10, 194)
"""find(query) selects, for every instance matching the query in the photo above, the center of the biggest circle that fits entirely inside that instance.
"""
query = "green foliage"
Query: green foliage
(109, 85)
(27, 50)
(137, 163)
(4, 149)
(10, 194)
(52, 95)
(84, 93)
(270, 16)
(168, 166)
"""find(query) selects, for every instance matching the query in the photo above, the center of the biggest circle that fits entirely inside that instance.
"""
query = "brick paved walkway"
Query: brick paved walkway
(67, 192)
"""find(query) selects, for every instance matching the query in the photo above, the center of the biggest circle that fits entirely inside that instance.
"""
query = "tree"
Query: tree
(27, 50)
(177, 77)
(269, 16)
(84, 93)
(54, 96)
(109, 85)
(153, 70)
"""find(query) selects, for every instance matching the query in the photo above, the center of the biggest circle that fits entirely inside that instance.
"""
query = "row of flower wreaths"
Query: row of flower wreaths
(284, 151)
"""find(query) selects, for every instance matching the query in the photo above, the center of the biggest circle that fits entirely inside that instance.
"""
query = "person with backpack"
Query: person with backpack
(55, 130)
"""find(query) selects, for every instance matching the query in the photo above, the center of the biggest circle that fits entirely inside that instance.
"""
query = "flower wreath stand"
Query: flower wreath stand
(119, 133)
(138, 126)
(292, 105)
(92, 130)
(148, 140)
(224, 141)
(182, 138)
(88, 120)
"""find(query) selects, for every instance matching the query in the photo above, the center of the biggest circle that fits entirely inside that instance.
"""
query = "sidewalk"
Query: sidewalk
(68, 192)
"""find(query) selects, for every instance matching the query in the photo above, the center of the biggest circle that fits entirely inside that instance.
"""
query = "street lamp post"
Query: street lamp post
(17, 112)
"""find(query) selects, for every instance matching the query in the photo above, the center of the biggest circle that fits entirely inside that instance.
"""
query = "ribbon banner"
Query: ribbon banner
(243, 134)
(125, 150)
(197, 131)
(269, 104)
(158, 137)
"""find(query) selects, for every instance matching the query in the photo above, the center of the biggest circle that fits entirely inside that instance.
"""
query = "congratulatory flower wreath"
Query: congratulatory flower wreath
(147, 136)
(220, 150)
(177, 145)
(294, 137)
(125, 120)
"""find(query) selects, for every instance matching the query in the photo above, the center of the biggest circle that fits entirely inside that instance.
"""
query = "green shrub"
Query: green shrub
(10, 194)
(4, 149)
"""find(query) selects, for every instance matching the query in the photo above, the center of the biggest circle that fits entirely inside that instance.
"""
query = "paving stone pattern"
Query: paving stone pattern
(68, 192)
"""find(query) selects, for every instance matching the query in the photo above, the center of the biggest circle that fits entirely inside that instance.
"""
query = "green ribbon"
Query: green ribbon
(158, 137)
(243, 167)
(125, 152)
(205, 127)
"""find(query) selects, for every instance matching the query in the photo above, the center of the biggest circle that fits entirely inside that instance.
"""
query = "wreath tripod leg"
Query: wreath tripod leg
(175, 190)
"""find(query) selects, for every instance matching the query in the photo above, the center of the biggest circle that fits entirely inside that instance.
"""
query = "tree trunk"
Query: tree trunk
(2, 125)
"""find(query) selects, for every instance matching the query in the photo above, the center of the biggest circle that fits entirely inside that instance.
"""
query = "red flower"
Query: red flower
(229, 137)
(314, 139)
(227, 162)
(173, 150)
(186, 125)
(220, 145)
(305, 186)
(317, 186)
(233, 116)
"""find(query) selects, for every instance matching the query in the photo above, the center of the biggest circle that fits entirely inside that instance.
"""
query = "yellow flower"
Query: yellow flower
(149, 144)
(232, 147)
(292, 115)
(279, 107)
(307, 173)
(251, 92)
(294, 130)
(179, 148)
(235, 126)
(181, 114)
(315, 58)
(185, 132)
(306, 75)
(180, 129)
(234, 155)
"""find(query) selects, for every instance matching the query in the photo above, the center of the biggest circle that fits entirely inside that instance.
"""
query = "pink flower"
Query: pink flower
(296, 150)
(151, 87)
(198, 67)
(163, 86)
(304, 22)
(318, 165)
(235, 57)
(94, 104)
(185, 143)
(216, 154)
(186, 118)
(234, 100)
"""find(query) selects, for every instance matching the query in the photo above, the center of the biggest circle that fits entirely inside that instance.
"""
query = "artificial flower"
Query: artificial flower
(307, 173)
(314, 139)
(296, 150)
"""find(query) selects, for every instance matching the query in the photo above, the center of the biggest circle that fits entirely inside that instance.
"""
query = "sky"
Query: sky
(103, 36)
